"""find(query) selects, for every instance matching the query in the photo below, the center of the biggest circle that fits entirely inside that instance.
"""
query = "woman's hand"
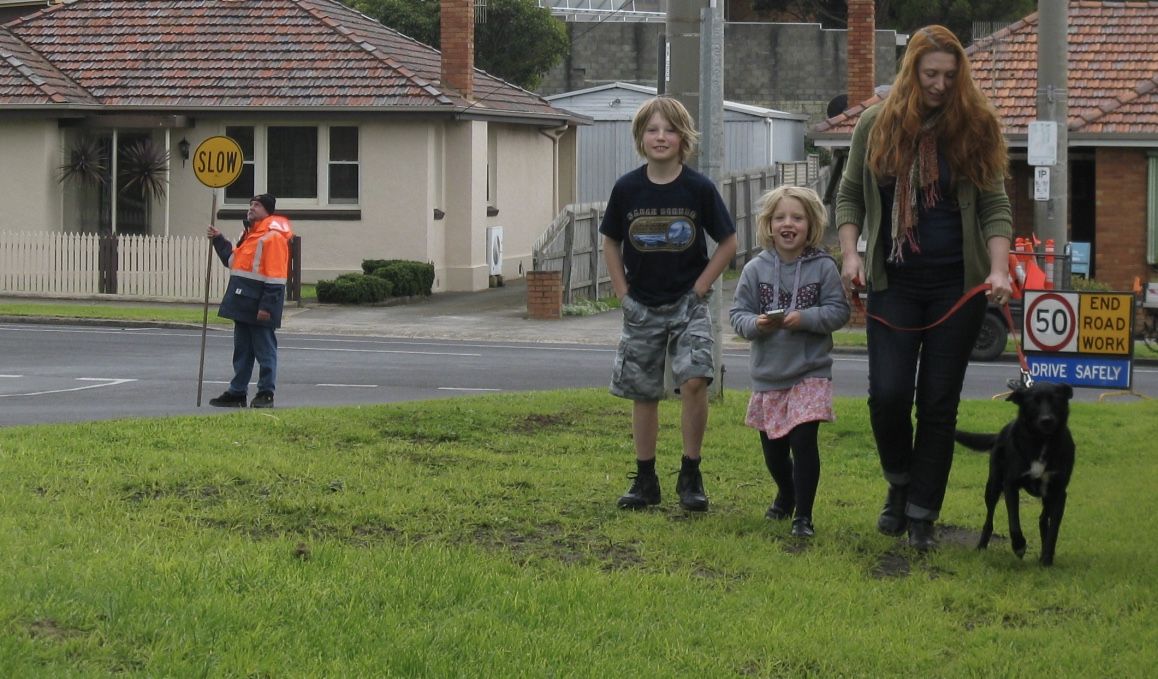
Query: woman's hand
(1000, 288)
(851, 273)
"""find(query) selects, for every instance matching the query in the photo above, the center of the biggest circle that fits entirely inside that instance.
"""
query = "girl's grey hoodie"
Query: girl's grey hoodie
(811, 285)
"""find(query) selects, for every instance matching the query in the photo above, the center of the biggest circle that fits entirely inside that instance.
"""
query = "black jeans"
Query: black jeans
(929, 365)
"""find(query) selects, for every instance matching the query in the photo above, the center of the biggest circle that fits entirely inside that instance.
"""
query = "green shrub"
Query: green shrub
(1088, 284)
(354, 288)
(408, 278)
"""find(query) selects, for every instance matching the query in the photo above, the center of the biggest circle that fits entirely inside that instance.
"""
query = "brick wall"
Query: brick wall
(545, 295)
(790, 67)
(1120, 196)
(861, 28)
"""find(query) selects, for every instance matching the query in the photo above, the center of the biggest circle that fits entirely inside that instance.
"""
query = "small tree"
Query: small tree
(518, 42)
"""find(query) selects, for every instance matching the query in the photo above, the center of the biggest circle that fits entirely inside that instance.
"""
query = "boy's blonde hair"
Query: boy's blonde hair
(813, 210)
(675, 113)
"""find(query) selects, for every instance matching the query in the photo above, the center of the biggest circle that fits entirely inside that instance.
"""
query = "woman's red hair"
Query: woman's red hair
(968, 132)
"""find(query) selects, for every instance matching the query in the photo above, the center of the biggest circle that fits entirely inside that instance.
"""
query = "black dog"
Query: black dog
(1035, 452)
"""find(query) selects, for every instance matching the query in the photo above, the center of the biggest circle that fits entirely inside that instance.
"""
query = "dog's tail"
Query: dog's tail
(975, 441)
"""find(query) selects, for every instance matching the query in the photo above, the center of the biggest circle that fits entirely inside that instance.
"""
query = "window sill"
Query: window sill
(301, 215)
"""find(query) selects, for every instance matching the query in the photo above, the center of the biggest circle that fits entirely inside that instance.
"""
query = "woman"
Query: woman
(925, 182)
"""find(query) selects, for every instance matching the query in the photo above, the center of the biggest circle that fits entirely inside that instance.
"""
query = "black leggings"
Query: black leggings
(798, 475)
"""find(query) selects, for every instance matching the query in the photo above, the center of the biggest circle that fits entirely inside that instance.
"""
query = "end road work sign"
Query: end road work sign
(1084, 339)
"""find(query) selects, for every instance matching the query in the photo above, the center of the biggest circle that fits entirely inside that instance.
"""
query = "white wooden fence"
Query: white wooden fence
(129, 266)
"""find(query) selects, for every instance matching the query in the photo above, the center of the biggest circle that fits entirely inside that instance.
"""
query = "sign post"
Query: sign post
(217, 163)
(1084, 339)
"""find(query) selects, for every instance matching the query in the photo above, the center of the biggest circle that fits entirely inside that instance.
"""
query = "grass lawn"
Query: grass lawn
(479, 537)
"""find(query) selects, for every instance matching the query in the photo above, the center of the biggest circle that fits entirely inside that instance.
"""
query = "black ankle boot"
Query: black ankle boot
(780, 508)
(892, 520)
(690, 486)
(922, 536)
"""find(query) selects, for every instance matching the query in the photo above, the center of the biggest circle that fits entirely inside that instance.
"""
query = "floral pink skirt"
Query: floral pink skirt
(776, 412)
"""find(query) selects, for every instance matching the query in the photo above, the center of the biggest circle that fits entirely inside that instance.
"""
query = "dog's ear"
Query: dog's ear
(1066, 391)
(1016, 394)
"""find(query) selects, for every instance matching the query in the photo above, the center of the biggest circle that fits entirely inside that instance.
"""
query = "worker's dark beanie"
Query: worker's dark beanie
(267, 201)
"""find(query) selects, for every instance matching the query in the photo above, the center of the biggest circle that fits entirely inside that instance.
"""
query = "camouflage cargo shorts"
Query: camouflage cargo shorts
(682, 328)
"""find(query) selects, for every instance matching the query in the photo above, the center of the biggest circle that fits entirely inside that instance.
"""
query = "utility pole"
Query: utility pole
(693, 74)
(1051, 215)
(682, 77)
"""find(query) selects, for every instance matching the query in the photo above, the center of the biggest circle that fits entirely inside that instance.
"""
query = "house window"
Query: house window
(304, 166)
(492, 166)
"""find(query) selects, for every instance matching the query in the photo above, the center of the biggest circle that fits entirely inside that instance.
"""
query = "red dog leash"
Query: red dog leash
(1026, 379)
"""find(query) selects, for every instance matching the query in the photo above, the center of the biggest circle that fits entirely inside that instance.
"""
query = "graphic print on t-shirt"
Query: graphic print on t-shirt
(662, 233)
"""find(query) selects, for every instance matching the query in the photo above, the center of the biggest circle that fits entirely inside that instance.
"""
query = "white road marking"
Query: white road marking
(466, 389)
(16, 376)
(105, 382)
(380, 351)
(352, 386)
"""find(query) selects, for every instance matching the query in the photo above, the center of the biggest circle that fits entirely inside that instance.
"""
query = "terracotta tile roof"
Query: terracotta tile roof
(1113, 72)
(27, 79)
(276, 54)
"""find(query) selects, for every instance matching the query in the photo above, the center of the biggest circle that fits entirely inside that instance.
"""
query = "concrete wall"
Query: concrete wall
(790, 67)
(29, 171)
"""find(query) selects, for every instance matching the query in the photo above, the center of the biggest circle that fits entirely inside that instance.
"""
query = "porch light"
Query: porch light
(183, 149)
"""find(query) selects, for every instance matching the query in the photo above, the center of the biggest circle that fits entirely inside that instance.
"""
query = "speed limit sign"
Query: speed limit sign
(1051, 321)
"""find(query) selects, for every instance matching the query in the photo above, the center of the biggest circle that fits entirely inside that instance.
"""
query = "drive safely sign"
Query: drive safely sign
(1084, 339)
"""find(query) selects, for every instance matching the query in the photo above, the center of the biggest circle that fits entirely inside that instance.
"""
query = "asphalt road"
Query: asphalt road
(61, 373)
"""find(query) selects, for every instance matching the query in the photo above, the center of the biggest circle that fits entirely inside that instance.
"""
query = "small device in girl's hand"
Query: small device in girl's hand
(775, 313)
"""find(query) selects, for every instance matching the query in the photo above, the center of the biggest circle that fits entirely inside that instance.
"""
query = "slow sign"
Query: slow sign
(218, 162)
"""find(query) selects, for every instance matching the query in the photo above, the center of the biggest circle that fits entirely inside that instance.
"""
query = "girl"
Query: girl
(788, 302)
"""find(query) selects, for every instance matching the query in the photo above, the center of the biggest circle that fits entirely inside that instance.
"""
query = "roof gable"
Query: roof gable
(1113, 72)
(26, 78)
(277, 54)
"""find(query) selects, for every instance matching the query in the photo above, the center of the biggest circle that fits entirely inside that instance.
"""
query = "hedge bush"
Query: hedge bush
(353, 288)
(407, 277)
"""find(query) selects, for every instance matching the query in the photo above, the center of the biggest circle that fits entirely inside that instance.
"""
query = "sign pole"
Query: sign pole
(205, 309)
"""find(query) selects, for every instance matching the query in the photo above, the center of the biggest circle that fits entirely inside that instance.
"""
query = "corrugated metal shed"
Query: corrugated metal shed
(754, 137)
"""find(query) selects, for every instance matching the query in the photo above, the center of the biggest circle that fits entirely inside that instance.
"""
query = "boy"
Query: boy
(654, 242)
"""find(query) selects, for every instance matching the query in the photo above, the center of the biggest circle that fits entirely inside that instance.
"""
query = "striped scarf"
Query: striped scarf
(922, 178)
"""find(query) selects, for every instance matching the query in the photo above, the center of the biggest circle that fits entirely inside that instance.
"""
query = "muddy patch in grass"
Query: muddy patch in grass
(538, 423)
(47, 628)
(552, 542)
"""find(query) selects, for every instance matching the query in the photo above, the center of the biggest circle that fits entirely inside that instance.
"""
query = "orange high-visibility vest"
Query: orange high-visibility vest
(263, 255)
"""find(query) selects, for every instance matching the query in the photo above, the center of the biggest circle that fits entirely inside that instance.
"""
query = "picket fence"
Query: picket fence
(130, 266)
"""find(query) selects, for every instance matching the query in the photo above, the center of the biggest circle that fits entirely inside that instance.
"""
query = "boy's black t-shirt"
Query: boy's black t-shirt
(662, 228)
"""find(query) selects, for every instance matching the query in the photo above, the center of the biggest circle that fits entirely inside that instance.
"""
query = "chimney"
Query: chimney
(861, 50)
(457, 25)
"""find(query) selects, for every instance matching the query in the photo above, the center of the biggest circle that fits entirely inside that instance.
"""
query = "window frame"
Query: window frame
(260, 163)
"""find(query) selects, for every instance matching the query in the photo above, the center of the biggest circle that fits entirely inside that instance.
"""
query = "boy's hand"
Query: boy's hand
(213, 232)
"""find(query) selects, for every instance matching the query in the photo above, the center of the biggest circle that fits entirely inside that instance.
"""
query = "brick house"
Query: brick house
(1113, 128)
(376, 145)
